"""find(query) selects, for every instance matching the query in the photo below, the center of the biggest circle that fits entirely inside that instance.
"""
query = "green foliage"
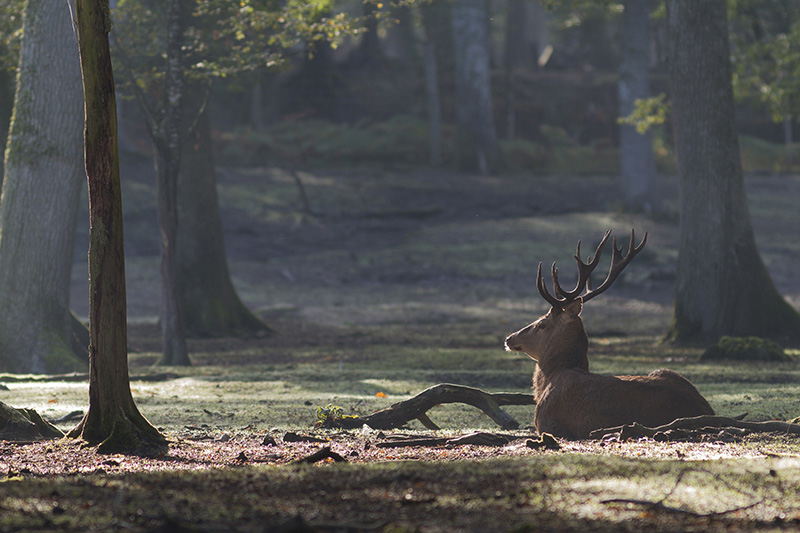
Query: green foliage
(766, 55)
(402, 139)
(745, 348)
(647, 112)
(331, 416)
(524, 155)
(223, 38)
(10, 33)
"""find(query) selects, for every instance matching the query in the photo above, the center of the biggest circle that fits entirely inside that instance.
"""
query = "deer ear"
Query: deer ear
(573, 309)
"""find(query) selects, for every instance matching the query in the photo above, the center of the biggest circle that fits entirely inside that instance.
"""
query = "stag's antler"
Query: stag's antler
(618, 264)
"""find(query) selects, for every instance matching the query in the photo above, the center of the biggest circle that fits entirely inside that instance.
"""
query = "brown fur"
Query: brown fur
(571, 401)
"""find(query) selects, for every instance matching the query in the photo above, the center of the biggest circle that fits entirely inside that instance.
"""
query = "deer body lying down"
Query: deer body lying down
(571, 401)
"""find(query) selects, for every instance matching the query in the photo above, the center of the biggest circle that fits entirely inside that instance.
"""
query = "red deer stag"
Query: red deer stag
(571, 401)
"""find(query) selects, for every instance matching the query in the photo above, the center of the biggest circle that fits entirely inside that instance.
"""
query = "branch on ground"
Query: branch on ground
(695, 429)
(416, 408)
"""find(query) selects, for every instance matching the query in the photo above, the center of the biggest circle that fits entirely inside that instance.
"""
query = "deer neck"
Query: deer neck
(570, 355)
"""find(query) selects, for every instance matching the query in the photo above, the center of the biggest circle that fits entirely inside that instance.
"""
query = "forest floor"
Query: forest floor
(399, 280)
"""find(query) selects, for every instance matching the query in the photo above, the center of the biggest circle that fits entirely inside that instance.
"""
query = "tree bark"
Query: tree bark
(208, 301)
(167, 141)
(41, 193)
(638, 160)
(476, 139)
(112, 421)
(722, 285)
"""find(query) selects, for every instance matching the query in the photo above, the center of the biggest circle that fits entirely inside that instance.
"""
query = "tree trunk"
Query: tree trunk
(434, 107)
(41, 193)
(167, 141)
(476, 140)
(112, 421)
(518, 54)
(209, 304)
(722, 285)
(638, 160)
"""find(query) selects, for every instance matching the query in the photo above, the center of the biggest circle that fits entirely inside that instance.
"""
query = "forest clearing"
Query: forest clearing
(330, 251)
(413, 283)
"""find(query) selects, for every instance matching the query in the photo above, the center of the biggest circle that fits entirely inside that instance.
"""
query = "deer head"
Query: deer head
(558, 338)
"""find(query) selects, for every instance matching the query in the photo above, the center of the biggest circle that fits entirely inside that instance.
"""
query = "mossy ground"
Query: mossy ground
(409, 279)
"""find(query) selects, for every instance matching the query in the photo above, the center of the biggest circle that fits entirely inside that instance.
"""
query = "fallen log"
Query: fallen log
(415, 408)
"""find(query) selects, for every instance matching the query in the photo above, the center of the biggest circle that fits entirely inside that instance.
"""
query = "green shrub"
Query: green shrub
(745, 349)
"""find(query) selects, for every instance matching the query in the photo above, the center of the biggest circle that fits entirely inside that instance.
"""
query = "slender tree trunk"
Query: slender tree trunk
(167, 140)
(476, 139)
(432, 15)
(208, 301)
(41, 192)
(638, 160)
(722, 285)
(518, 54)
(112, 421)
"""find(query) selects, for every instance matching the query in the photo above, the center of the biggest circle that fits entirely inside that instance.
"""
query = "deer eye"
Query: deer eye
(541, 326)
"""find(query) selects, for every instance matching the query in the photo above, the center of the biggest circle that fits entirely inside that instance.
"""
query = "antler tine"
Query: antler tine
(552, 300)
(584, 270)
(618, 264)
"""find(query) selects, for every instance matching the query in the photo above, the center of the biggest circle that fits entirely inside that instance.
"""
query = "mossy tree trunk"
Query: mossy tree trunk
(167, 142)
(209, 304)
(113, 420)
(41, 193)
(722, 285)
(476, 138)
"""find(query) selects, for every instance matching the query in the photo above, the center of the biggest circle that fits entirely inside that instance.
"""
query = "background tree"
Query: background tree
(209, 302)
(41, 193)
(166, 133)
(476, 138)
(112, 421)
(220, 40)
(430, 13)
(722, 285)
(638, 166)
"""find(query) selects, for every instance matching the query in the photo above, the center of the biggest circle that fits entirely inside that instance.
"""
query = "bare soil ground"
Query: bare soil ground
(402, 279)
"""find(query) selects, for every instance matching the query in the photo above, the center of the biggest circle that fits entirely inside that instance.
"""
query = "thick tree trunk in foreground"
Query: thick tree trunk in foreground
(636, 149)
(112, 421)
(208, 301)
(476, 139)
(41, 192)
(167, 141)
(722, 286)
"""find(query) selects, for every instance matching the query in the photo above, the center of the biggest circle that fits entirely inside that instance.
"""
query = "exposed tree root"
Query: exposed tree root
(401, 413)
(696, 429)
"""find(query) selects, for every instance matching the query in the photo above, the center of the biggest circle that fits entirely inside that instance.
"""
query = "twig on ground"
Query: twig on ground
(320, 455)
